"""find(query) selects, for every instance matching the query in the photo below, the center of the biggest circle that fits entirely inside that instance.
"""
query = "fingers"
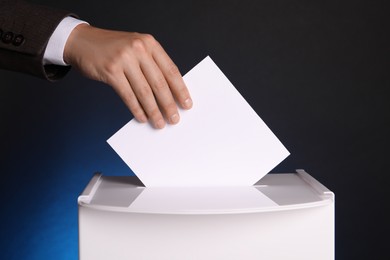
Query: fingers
(173, 77)
(157, 83)
(121, 85)
(161, 90)
(145, 95)
(149, 82)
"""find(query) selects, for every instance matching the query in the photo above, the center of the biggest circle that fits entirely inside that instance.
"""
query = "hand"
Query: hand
(137, 68)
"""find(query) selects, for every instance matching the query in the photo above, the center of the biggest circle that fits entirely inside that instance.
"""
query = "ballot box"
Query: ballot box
(283, 216)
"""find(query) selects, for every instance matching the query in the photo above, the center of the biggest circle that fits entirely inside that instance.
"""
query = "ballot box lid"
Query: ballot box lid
(274, 192)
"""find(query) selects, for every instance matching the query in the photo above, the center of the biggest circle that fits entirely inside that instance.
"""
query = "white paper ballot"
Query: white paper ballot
(221, 141)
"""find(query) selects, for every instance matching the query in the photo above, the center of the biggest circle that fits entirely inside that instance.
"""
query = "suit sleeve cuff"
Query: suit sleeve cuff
(54, 53)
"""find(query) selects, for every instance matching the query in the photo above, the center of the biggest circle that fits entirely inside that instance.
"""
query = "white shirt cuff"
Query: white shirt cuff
(54, 53)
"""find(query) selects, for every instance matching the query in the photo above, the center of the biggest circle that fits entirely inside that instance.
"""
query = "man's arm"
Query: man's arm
(134, 64)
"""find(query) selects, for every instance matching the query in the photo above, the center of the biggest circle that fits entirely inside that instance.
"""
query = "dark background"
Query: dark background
(317, 72)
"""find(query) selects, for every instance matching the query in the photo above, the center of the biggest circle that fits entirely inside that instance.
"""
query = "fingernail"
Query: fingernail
(160, 124)
(187, 103)
(174, 119)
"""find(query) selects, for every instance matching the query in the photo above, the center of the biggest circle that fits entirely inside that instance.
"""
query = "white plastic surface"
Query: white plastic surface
(272, 193)
(284, 216)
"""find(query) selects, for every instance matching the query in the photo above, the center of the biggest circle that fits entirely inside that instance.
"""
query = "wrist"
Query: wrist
(73, 43)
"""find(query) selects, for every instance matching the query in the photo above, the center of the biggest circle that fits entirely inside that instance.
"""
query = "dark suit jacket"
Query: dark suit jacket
(24, 32)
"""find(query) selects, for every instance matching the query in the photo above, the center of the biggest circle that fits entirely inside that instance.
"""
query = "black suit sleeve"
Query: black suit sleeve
(24, 32)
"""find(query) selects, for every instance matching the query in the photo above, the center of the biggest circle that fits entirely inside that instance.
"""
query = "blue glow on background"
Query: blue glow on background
(53, 143)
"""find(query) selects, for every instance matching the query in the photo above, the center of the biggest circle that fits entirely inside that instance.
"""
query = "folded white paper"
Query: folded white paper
(221, 141)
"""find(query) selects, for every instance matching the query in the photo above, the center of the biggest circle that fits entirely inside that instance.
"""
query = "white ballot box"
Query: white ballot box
(283, 216)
